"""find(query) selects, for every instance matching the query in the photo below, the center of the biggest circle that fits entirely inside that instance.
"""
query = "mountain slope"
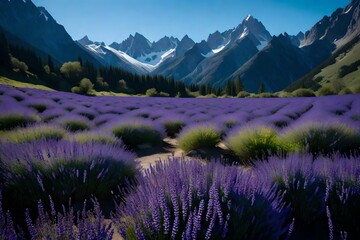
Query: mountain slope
(276, 66)
(227, 52)
(217, 69)
(350, 34)
(109, 56)
(36, 27)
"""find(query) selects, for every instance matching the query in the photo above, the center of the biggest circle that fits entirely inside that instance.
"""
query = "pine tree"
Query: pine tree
(262, 88)
(239, 86)
(5, 60)
(50, 63)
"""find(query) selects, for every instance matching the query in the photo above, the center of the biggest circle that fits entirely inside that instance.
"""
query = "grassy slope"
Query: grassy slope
(14, 83)
(330, 73)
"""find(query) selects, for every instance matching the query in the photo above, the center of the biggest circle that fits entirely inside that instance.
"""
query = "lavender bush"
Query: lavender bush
(58, 225)
(62, 169)
(190, 200)
(316, 190)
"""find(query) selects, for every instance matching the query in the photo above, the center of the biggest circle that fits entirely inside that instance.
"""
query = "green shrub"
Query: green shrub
(326, 139)
(85, 87)
(345, 91)
(173, 127)
(74, 125)
(303, 92)
(198, 137)
(136, 133)
(33, 134)
(243, 94)
(12, 120)
(283, 94)
(151, 92)
(253, 144)
(89, 137)
(326, 91)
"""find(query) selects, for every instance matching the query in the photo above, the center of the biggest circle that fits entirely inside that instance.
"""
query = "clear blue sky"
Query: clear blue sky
(114, 20)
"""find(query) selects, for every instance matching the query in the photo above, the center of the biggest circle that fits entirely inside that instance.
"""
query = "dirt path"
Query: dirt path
(149, 156)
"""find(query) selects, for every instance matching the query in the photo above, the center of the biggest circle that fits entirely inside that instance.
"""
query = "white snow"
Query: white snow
(248, 17)
(209, 54)
(244, 33)
(45, 16)
(347, 11)
(155, 58)
(261, 45)
(139, 65)
(219, 49)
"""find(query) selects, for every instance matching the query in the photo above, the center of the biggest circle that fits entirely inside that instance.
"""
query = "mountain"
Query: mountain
(141, 49)
(342, 23)
(227, 52)
(342, 30)
(276, 66)
(109, 56)
(34, 26)
(181, 66)
(135, 54)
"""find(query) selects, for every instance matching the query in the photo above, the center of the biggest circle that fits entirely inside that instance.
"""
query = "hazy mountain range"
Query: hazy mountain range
(247, 50)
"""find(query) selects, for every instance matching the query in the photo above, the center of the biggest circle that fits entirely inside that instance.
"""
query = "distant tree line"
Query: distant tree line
(69, 76)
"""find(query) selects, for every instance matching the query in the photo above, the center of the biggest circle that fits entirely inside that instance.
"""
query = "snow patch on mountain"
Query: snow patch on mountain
(141, 66)
(155, 58)
(262, 45)
(244, 33)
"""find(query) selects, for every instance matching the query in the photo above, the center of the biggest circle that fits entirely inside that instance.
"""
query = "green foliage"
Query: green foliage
(326, 139)
(5, 60)
(303, 92)
(173, 127)
(9, 121)
(345, 91)
(253, 144)
(71, 69)
(347, 69)
(284, 94)
(239, 86)
(152, 92)
(261, 88)
(92, 137)
(74, 125)
(85, 87)
(17, 64)
(136, 133)
(199, 137)
(164, 94)
(326, 91)
(243, 94)
(22, 135)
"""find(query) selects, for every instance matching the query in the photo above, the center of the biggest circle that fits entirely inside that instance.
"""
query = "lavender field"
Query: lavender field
(279, 168)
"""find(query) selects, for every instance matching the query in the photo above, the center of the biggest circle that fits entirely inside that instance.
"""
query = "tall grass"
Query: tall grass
(35, 133)
(198, 137)
(252, 144)
(322, 138)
